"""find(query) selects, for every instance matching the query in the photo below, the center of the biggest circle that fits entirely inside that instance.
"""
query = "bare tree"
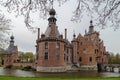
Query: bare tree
(27, 7)
(4, 30)
(105, 12)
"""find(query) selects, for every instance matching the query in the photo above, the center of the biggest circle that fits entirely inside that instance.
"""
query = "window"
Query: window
(84, 50)
(67, 58)
(81, 43)
(57, 56)
(58, 45)
(90, 59)
(80, 59)
(46, 45)
(46, 56)
(96, 51)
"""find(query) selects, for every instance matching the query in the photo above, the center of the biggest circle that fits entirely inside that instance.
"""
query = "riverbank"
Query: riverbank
(37, 78)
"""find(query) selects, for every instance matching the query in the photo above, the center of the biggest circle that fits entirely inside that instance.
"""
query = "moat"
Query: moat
(9, 72)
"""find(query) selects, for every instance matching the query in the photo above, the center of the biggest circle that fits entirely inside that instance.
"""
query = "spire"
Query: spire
(91, 27)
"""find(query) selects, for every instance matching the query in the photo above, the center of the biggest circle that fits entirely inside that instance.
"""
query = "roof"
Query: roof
(52, 31)
(11, 49)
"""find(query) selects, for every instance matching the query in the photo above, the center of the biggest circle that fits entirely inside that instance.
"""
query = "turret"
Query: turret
(52, 19)
(12, 41)
(91, 27)
(52, 29)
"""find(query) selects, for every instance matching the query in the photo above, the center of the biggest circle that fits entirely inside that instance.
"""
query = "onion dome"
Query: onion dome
(52, 12)
(91, 21)
(12, 37)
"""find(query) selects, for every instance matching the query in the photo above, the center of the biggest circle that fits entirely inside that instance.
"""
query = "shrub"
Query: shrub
(28, 68)
(9, 66)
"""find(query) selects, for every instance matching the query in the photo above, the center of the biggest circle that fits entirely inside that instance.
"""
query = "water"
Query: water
(16, 72)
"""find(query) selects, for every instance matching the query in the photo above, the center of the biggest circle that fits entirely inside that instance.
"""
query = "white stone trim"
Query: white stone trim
(88, 67)
(51, 69)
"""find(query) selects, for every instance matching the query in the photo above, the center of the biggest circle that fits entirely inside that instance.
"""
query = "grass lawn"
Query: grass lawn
(37, 78)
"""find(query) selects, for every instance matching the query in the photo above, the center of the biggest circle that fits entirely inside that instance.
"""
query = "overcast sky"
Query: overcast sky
(25, 39)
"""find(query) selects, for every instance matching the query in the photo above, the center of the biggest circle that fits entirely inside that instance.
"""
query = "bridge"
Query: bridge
(111, 67)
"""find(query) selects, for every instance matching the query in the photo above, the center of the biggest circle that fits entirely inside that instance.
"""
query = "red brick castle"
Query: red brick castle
(57, 54)
(54, 53)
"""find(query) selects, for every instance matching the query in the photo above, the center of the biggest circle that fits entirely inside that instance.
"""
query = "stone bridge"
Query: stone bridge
(111, 67)
(23, 64)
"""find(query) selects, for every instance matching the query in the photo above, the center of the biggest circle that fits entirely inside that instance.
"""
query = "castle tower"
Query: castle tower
(51, 51)
(74, 44)
(11, 54)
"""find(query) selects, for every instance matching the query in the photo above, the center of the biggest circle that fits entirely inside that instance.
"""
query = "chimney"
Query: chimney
(65, 33)
(38, 33)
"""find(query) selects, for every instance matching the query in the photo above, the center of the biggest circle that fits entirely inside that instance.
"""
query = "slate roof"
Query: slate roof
(49, 31)
(11, 49)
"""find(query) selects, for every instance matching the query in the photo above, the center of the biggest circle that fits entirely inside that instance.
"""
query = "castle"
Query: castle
(54, 53)
(11, 54)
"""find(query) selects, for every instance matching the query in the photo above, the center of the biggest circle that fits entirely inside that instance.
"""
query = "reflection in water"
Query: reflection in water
(9, 72)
